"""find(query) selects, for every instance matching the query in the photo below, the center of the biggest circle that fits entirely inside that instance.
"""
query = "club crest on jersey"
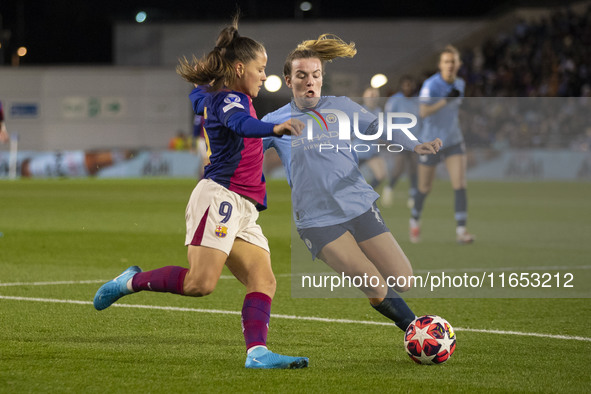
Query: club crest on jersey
(221, 231)
(331, 118)
(233, 101)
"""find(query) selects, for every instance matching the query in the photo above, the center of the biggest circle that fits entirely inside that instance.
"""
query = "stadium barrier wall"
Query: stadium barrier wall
(139, 164)
(69, 108)
(530, 165)
(486, 165)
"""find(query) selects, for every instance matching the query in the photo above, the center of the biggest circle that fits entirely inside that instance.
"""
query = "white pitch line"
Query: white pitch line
(92, 281)
(61, 282)
(288, 275)
(292, 317)
(497, 269)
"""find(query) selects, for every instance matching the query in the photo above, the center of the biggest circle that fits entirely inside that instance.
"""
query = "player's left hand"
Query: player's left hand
(290, 127)
(429, 148)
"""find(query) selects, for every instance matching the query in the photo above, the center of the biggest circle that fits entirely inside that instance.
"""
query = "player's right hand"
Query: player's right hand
(289, 127)
(429, 148)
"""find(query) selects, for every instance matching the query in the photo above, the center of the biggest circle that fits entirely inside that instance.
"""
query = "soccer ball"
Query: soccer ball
(430, 339)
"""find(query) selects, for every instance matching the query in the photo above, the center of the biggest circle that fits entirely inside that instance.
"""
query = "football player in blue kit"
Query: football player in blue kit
(333, 206)
(403, 101)
(439, 101)
(222, 211)
(371, 161)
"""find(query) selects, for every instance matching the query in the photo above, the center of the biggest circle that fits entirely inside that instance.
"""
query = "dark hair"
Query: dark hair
(326, 47)
(406, 77)
(216, 68)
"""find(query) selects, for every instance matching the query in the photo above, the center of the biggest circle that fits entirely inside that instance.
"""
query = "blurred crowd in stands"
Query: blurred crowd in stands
(520, 123)
(547, 58)
(550, 57)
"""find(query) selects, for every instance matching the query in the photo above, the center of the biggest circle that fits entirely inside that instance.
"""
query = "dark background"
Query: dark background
(80, 31)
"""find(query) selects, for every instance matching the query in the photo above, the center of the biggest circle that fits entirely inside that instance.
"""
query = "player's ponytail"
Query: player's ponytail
(326, 48)
(217, 67)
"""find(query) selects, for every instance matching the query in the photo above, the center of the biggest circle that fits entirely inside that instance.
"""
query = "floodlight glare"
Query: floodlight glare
(141, 16)
(305, 6)
(378, 80)
(273, 83)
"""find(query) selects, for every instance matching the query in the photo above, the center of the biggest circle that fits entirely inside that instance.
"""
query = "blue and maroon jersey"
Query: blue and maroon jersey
(234, 146)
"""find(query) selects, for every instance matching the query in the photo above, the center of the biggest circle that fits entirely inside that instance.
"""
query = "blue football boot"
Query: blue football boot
(114, 289)
(263, 358)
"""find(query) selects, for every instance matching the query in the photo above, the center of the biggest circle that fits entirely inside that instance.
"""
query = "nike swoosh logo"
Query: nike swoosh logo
(256, 361)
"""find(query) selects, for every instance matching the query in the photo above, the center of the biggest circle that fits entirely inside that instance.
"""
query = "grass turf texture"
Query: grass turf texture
(75, 230)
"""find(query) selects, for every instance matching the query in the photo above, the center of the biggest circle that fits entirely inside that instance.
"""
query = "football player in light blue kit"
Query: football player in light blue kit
(371, 161)
(334, 207)
(440, 98)
(403, 101)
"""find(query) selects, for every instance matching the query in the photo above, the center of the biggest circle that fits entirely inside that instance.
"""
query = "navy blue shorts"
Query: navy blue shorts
(433, 160)
(363, 227)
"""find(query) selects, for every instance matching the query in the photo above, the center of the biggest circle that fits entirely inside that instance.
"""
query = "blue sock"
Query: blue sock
(413, 184)
(396, 309)
(375, 183)
(461, 207)
(418, 207)
(393, 181)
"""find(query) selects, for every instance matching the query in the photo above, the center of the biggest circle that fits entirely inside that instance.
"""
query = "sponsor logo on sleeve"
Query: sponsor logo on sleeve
(233, 101)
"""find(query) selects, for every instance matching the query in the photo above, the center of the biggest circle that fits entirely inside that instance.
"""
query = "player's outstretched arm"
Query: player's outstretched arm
(289, 127)
(429, 109)
(426, 110)
(429, 148)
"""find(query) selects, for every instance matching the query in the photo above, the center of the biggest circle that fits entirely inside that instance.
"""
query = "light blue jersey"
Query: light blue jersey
(443, 124)
(400, 103)
(366, 155)
(327, 186)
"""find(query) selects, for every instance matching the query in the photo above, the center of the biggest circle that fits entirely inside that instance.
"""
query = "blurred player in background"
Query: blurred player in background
(334, 207)
(179, 142)
(440, 98)
(371, 163)
(403, 101)
(3, 132)
(223, 208)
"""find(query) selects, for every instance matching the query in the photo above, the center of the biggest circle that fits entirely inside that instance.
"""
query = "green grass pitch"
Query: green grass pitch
(83, 231)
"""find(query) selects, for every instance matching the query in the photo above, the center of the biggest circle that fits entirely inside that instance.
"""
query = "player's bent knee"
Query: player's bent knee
(272, 284)
(267, 286)
(425, 189)
(199, 287)
(374, 294)
(402, 289)
(405, 281)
